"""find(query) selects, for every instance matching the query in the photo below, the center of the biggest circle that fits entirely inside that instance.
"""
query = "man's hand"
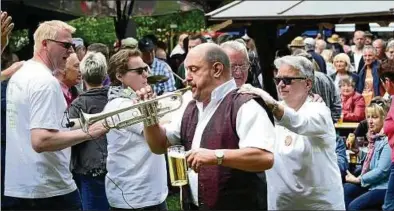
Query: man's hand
(317, 98)
(200, 157)
(249, 89)
(97, 129)
(6, 28)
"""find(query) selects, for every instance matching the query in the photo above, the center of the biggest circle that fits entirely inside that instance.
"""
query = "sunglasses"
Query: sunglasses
(66, 45)
(287, 80)
(378, 102)
(140, 70)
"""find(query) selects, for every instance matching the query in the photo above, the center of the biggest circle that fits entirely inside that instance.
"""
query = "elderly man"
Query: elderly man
(157, 66)
(310, 48)
(380, 46)
(69, 78)
(40, 178)
(89, 158)
(356, 55)
(239, 61)
(320, 45)
(305, 175)
(225, 149)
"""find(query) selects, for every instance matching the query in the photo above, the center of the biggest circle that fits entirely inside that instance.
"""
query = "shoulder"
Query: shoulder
(357, 96)
(316, 108)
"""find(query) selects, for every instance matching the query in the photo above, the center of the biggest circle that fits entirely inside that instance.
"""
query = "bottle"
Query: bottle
(353, 156)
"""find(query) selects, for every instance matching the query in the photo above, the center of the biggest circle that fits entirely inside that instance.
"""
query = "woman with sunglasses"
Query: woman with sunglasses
(387, 77)
(305, 174)
(368, 190)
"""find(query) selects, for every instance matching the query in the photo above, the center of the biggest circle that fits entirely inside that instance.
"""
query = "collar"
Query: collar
(65, 89)
(221, 91)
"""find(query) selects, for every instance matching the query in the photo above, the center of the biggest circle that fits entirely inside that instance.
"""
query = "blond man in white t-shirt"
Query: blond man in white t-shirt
(37, 172)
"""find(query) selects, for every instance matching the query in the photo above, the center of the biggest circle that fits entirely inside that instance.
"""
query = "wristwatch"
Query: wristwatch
(274, 106)
(219, 156)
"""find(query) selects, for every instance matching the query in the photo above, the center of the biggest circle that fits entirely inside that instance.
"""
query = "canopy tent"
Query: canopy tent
(288, 11)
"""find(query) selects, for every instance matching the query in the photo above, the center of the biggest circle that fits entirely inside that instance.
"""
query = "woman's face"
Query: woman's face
(340, 65)
(375, 121)
(347, 89)
(136, 77)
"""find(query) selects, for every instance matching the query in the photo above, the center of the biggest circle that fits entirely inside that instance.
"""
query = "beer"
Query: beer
(177, 166)
(340, 120)
(353, 159)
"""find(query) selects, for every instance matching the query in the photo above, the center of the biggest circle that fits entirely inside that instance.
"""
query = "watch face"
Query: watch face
(219, 153)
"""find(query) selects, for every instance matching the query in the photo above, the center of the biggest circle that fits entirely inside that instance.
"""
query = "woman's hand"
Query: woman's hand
(352, 179)
(249, 89)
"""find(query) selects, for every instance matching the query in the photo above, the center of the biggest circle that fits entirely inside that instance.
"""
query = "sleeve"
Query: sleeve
(341, 154)
(169, 86)
(173, 129)
(359, 111)
(42, 108)
(379, 172)
(131, 113)
(254, 127)
(315, 122)
(362, 129)
(336, 105)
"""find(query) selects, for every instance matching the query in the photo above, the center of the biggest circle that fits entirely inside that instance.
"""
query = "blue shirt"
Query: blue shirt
(161, 68)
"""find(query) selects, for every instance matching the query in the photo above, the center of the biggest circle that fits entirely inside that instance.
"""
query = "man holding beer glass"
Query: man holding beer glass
(227, 136)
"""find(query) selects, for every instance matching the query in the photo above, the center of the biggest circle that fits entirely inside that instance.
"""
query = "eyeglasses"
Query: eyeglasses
(66, 45)
(240, 66)
(140, 70)
(287, 80)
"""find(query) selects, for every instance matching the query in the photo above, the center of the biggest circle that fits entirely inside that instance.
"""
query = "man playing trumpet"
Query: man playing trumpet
(228, 137)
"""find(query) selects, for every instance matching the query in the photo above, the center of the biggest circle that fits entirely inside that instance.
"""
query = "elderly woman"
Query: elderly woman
(369, 83)
(89, 158)
(69, 77)
(343, 69)
(387, 78)
(305, 174)
(353, 104)
(368, 190)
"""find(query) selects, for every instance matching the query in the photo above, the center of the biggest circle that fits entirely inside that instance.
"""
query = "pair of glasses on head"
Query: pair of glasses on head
(378, 102)
(66, 45)
(287, 80)
(140, 70)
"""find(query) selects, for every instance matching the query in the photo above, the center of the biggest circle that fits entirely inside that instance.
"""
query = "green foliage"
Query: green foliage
(18, 40)
(102, 30)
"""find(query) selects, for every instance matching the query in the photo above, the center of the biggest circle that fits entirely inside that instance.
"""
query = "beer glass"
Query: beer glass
(177, 165)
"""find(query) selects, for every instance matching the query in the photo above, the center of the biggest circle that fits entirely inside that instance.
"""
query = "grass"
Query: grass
(173, 202)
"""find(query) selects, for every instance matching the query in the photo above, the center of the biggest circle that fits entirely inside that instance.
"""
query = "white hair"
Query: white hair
(49, 30)
(309, 43)
(93, 68)
(322, 42)
(237, 47)
(369, 47)
(300, 63)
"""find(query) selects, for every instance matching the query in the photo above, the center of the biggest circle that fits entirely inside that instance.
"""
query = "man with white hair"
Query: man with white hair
(320, 45)
(239, 60)
(380, 46)
(310, 48)
(305, 175)
(37, 172)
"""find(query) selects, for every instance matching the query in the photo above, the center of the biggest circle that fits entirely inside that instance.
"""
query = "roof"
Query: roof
(306, 9)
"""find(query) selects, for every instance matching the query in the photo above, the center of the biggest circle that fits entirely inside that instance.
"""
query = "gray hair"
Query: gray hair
(237, 47)
(300, 63)
(369, 47)
(309, 44)
(216, 54)
(93, 68)
(390, 45)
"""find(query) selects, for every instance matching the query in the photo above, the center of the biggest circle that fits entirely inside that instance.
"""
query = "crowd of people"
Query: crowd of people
(245, 149)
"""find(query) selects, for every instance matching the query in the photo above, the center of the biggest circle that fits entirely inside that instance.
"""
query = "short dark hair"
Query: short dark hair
(99, 47)
(386, 70)
(198, 36)
(118, 63)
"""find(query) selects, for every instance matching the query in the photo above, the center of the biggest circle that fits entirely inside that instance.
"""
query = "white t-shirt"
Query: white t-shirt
(35, 100)
(135, 170)
(305, 175)
(253, 127)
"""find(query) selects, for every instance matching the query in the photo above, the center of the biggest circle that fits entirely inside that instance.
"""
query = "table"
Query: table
(344, 128)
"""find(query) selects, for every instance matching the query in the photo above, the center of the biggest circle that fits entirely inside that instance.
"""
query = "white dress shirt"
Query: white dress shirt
(253, 127)
(305, 174)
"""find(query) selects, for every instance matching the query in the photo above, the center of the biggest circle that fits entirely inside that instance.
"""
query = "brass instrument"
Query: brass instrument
(147, 111)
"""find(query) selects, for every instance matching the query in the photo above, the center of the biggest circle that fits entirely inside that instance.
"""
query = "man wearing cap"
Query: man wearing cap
(158, 67)
(310, 48)
(129, 43)
(368, 38)
(80, 48)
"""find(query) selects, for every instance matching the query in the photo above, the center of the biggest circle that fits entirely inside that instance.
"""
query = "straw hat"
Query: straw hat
(333, 39)
(297, 42)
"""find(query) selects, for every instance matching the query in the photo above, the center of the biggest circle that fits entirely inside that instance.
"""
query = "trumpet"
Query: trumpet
(145, 111)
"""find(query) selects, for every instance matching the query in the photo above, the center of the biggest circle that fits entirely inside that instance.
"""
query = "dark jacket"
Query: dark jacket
(319, 60)
(360, 63)
(354, 76)
(341, 155)
(375, 76)
(89, 158)
(219, 187)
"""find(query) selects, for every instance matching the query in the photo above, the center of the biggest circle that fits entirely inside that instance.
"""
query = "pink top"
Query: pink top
(66, 93)
(389, 129)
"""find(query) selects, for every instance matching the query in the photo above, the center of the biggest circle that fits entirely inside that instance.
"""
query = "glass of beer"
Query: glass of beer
(177, 165)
